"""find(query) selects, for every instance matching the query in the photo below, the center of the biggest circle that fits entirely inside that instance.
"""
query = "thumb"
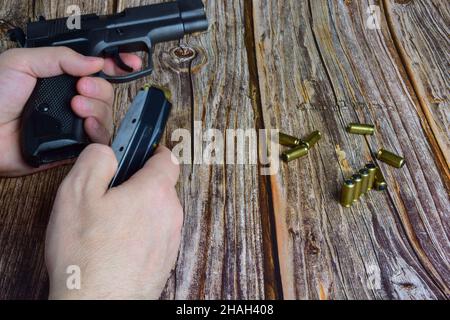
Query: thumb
(94, 169)
(162, 170)
(51, 61)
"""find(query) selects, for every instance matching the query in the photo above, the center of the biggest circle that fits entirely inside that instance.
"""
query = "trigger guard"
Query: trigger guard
(114, 53)
(127, 77)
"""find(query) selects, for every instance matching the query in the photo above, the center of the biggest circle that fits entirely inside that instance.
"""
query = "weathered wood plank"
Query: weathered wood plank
(309, 65)
(421, 33)
(321, 68)
(26, 202)
(15, 13)
(12, 15)
(221, 253)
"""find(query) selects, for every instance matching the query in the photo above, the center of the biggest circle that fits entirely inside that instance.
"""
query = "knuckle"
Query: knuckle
(83, 83)
(100, 148)
(103, 110)
(95, 153)
(8, 56)
(72, 185)
(108, 110)
(66, 51)
(106, 151)
(107, 86)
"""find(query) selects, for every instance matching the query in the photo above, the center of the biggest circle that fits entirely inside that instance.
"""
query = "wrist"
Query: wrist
(97, 292)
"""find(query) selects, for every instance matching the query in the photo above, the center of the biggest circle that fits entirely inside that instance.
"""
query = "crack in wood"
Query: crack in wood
(272, 275)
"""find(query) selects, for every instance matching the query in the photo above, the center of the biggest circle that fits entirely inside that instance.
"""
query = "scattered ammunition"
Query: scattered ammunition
(312, 139)
(347, 195)
(364, 173)
(294, 153)
(359, 128)
(289, 141)
(368, 178)
(391, 158)
(372, 168)
(358, 185)
(379, 184)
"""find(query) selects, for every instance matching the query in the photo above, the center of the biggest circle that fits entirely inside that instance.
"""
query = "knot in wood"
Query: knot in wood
(183, 53)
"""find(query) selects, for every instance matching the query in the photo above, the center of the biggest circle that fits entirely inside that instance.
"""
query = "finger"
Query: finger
(88, 107)
(161, 169)
(51, 61)
(96, 132)
(96, 88)
(129, 59)
(94, 170)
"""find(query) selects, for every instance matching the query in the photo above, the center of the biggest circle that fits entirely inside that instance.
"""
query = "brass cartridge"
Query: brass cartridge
(347, 194)
(391, 158)
(358, 186)
(294, 153)
(364, 173)
(372, 168)
(289, 141)
(380, 183)
(312, 139)
(359, 128)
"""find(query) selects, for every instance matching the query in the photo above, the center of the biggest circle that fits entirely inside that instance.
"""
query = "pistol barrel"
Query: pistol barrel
(193, 16)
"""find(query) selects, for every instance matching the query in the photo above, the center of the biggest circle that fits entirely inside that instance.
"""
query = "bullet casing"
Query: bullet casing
(294, 153)
(358, 187)
(380, 183)
(312, 139)
(360, 128)
(364, 173)
(391, 158)
(372, 168)
(289, 141)
(347, 193)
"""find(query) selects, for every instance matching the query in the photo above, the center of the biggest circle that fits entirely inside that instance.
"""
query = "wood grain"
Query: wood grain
(221, 253)
(297, 66)
(320, 68)
(26, 202)
(426, 59)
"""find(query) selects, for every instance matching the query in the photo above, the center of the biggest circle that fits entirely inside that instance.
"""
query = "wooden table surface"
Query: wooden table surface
(296, 66)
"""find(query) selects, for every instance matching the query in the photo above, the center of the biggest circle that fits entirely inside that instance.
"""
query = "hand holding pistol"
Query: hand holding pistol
(50, 130)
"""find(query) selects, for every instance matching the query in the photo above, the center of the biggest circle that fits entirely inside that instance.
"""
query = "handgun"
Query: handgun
(50, 131)
(140, 131)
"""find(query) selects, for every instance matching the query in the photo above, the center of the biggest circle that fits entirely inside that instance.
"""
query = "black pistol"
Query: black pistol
(50, 130)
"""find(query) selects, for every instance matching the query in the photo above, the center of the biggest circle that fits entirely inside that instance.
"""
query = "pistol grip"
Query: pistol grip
(50, 130)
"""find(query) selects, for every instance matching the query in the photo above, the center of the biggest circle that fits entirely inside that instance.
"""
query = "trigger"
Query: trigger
(114, 54)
